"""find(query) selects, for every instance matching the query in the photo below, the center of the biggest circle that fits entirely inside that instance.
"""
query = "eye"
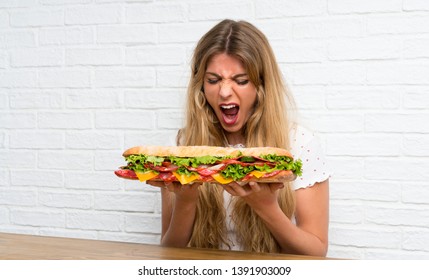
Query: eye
(212, 81)
(242, 82)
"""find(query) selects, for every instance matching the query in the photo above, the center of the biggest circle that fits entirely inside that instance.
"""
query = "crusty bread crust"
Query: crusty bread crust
(197, 151)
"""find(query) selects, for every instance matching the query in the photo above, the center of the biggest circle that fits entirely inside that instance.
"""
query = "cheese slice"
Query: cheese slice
(144, 176)
(258, 174)
(184, 179)
(220, 179)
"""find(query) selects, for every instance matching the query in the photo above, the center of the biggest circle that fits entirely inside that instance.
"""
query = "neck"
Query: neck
(235, 138)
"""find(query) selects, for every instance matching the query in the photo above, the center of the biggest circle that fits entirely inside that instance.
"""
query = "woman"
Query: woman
(236, 96)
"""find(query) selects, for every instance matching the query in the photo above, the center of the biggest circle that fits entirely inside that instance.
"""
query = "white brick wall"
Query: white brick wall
(81, 80)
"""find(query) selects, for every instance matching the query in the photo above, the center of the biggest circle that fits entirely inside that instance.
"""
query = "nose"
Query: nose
(225, 89)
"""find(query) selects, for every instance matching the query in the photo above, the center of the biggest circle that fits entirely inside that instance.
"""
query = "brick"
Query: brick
(397, 216)
(346, 214)
(367, 6)
(364, 145)
(38, 57)
(93, 140)
(140, 120)
(155, 55)
(416, 48)
(17, 159)
(365, 190)
(64, 78)
(400, 123)
(69, 120)
(18, 197)
(87, 180)
(17, 120)
(352, 97)
(345, 167)
(301, 51)
(329, 28)
(65, 160)
(18, 79)
(336, 74)
(278, 8)
(35, 100)
(309, 97)
(4, 19)
(65, 200)
(408, 24)
(398, 169)
(172, 77)
(155, 13)
(126, 34)
(335, 122)
(108, 160)
(124, 202)
(416, 98)
(4, 216)
(93, 56)
(416, 145)
(66, 35)
(364, 49)
(125, 77)
(94, 221)
(400, 255)
(416, 239)
(38, 218)
(199, 11)
(166, 138)
(143, 223)
(35, 18)
(18, 39)
(170, 120)
(415, 193)
(93, 99)
(416, 5)
(182, 33)
(150, 99)
(63, 2)
(388, 73)
(93, 14)
(36, 140)
(17, 4)
(366, 237)
(276, 29)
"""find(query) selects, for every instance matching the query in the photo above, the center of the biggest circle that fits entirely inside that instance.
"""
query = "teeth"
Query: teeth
(228, 106)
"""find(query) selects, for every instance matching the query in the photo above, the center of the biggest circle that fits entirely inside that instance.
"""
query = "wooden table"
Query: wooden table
(30, 247)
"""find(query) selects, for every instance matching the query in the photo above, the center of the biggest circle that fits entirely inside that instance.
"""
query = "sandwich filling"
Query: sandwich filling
(207, 168)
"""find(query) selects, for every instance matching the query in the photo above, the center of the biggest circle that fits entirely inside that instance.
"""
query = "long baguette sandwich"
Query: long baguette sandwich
(187, 164)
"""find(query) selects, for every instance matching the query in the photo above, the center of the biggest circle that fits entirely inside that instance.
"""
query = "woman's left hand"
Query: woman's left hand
(255, 194)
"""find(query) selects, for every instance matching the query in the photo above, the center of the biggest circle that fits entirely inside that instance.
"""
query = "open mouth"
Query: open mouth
(230, 113)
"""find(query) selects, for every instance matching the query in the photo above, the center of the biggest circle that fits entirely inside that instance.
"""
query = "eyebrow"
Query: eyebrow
(233, 77)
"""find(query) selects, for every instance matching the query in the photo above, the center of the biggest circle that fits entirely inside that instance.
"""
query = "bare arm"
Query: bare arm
(178, 213)
(310, 234)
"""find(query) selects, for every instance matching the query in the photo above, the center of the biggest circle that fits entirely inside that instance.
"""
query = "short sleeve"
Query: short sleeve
(306, 146)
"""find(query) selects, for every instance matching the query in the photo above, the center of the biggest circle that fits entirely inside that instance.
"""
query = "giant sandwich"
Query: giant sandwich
(188, 164)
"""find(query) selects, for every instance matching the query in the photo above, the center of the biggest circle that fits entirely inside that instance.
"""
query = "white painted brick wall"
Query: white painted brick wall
(82, 80)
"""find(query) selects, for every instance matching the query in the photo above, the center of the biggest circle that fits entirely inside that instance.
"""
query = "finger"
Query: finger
(240, 190)
(230, 190)
(255, 187)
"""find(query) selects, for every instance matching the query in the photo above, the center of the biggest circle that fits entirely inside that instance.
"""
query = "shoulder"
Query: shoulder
(306, 146)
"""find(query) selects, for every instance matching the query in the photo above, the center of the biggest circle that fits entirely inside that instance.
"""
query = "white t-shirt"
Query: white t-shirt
(305, 146)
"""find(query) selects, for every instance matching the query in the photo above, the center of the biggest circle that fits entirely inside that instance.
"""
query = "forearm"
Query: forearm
(180, 224)
(291, 238)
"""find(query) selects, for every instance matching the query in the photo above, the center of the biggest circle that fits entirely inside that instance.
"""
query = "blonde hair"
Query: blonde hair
(267, 126)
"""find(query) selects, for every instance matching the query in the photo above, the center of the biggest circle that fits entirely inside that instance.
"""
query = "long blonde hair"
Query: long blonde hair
(268, 126)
